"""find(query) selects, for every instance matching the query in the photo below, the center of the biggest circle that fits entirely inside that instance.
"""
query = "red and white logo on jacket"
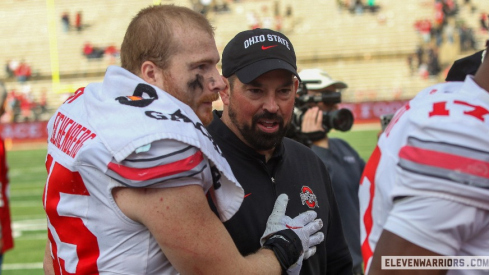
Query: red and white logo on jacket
(308, 197)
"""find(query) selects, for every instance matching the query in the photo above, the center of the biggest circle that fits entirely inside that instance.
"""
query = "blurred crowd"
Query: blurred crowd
(446, 26)
(21, 106)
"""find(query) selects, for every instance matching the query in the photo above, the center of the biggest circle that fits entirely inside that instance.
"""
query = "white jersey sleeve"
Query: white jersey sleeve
(435, 146)
(445, 152)
(456, 229)
(160, 164)
(96, 144)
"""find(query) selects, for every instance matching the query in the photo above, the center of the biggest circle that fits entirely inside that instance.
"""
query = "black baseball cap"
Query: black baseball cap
(254, 52)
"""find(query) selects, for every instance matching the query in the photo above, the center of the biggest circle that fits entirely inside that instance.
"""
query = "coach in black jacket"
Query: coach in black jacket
(260, 66)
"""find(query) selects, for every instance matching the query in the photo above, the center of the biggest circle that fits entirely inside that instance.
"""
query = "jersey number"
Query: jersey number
(440, 109)
(80, 247)
(367, 193)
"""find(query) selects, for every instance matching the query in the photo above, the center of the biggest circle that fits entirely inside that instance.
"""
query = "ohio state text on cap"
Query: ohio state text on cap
(252, 53)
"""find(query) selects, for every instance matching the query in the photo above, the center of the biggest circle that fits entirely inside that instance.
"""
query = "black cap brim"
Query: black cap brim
(252, 71)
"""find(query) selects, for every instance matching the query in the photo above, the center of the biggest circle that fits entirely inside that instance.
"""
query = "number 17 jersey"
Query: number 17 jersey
(436, 146)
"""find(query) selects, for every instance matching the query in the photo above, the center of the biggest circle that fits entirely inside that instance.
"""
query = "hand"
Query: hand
(303, 226)
(312, 121)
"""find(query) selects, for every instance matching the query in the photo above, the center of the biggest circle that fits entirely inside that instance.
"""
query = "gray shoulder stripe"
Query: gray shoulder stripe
(163, 156)
(450, 148)
(158, 161)
(150, 183)
(445, 174)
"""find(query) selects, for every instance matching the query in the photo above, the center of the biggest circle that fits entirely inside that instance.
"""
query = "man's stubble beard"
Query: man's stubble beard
(257, 139)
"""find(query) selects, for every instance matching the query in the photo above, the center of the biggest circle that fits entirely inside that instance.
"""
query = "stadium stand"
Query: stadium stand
(368, 50)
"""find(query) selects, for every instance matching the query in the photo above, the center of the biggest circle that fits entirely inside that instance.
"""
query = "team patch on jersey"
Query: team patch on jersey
(137, 99)
(446, 161)
(308, 197)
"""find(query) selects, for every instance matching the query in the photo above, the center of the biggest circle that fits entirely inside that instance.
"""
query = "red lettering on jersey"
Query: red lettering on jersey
(369, 174)
(68, 135)
(439, 109)
(77, 94)
(478, 111)
(78, 143)
(71, 230)
(54, 134)
(49, 161)
(62, 131)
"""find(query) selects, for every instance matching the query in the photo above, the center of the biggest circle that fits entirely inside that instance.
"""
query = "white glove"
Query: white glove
(304, 226)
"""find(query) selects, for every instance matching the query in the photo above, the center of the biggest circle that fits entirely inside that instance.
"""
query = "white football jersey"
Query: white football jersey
(127, 141)
(436, 146)
(79, 203)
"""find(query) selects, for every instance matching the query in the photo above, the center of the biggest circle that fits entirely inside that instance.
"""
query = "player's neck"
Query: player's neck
(482, 75)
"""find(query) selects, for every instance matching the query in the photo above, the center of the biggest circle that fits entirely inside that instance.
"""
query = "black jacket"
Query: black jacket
(345, 168)
(295, 170)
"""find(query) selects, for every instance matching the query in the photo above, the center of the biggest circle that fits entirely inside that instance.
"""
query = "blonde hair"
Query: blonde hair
(150, 35)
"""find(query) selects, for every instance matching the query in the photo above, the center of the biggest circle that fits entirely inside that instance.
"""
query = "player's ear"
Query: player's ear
(151, 73)
(225, 92)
